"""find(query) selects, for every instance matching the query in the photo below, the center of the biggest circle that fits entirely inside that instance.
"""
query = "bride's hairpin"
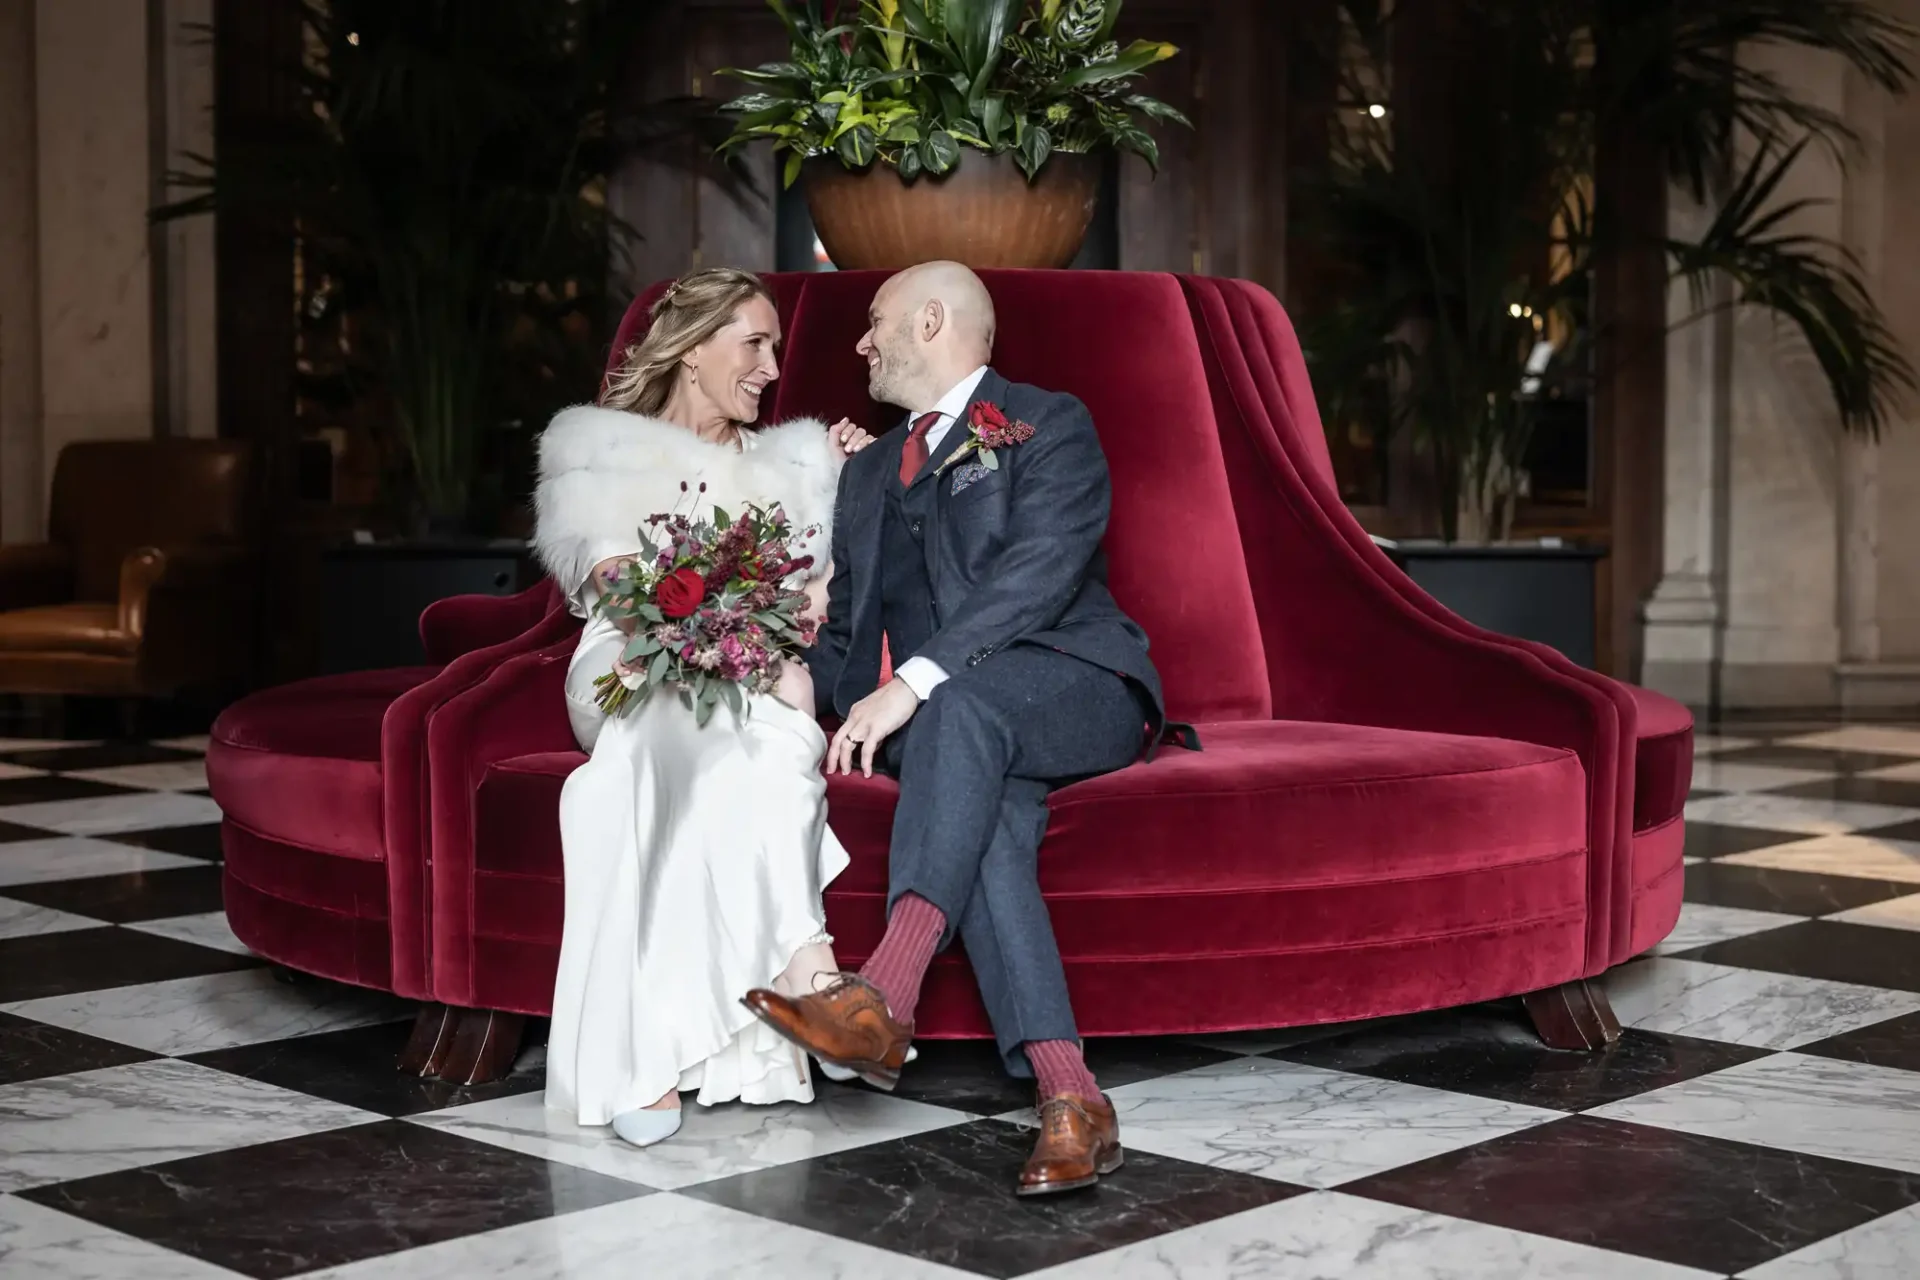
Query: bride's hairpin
(673, 290)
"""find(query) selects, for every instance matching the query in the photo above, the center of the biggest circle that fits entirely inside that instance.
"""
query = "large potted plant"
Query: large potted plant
(968, 130)
(1461, 251)
(443, 169)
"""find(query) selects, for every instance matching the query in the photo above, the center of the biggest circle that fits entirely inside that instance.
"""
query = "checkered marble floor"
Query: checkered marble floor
(170, 1108)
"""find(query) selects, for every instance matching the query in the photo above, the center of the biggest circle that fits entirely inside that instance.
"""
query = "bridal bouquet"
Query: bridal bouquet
(711, 612)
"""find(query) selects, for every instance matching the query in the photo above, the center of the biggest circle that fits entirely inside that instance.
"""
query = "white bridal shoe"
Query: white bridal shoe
(843, 1074)
(644, 1128)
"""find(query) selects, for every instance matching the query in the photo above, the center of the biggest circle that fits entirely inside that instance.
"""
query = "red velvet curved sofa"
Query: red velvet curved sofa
(1395, 811)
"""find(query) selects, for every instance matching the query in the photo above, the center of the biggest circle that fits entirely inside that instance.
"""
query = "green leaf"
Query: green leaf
(940, 152)
(988, 461)
(657, 669)
(993, 118)
(1034, 150)
(730, 690)
(651, 612)
(1154, 109)
(857, 147)
(909, 163)
(702, 712)
(792, 173)
(1135, 58)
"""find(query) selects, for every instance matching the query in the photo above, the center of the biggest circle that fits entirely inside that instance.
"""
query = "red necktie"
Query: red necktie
(913, 455)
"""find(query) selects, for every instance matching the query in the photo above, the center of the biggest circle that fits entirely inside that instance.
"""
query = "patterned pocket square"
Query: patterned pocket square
(967, 473)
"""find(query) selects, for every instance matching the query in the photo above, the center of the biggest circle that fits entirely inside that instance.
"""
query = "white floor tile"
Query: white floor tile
(45, 1244)
(1892, 740)
(168, 775)
(1894, 913)
(9, 746)
(76, 858)
(109, 814)
(208, 930)
(75, 1126)
(713, 1142)
(660, 1235)
(198, 742)
(1702, 925)
(1329, 1236)
(1744, 1006)
(1908, 772)
(11, 771)
(1706, 744)
(1772, 812)
(1888, 1248)
(214, 1011)
(1870, 857)
(1820, 1106)
(1730, 775)
(1306, 1125)
(23, 919)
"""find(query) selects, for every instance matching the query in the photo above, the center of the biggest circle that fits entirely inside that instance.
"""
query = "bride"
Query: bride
(695, 856)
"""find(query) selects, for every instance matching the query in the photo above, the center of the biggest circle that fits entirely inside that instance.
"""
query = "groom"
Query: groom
(1015, 673)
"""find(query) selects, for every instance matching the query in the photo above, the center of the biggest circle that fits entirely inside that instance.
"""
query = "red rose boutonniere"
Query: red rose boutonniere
(988, 428)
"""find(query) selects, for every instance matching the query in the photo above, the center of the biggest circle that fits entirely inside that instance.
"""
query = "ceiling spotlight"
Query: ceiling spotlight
(353, 38)
(1516, 311)
(1376, 110)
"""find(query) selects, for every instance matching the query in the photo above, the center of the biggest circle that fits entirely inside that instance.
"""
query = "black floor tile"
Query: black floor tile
(1831, 949)
(134, 895)
(1898, 831)
(328, 1199)
(13, 832)
(1810, 758)
(1701, 793)
(1893, 1043)
(34, 1051)
(947, 1197)
(1857, 791)
(1681, 1198)
(1489, 1055)
(356, 1068)
(103, 755)
(202, 841)
(1798, 893)
(57, 964)
(1714, 840)
(967, 1075)
(51, 789)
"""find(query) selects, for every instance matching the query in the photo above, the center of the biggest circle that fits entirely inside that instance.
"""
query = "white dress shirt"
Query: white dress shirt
(922, 675)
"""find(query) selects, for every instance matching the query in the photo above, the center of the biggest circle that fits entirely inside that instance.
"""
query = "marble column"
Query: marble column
(20, 467)
(96, 354)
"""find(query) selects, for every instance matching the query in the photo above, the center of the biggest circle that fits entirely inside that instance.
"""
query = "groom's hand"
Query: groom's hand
(870, 722)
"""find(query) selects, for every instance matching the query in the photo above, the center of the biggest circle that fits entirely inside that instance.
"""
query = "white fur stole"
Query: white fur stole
(603, 472)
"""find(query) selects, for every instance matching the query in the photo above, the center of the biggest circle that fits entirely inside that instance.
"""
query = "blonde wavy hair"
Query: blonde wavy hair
(693, 309)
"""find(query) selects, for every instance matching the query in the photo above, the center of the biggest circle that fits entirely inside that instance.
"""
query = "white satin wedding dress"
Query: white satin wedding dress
(695, 855)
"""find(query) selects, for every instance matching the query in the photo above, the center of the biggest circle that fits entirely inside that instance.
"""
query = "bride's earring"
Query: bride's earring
(694, 370)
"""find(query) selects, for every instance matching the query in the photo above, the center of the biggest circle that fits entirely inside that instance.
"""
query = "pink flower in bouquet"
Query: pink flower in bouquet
(680, 593)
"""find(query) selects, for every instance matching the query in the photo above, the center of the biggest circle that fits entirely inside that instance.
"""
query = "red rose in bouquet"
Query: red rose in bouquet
(680, 592)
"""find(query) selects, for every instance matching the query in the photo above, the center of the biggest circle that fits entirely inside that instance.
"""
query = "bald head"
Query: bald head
(929, 327)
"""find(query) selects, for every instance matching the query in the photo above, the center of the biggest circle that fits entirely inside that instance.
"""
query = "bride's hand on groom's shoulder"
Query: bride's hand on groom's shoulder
(847, 438)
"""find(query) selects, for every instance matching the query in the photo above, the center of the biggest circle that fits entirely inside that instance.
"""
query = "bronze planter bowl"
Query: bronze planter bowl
(984, 213)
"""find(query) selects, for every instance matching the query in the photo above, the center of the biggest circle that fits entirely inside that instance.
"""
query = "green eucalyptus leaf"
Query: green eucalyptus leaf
(988, 461)
(730, 690)
(657, 669)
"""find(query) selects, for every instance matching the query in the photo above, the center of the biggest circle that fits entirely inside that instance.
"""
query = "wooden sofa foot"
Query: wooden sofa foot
(1573, 1015)
(430, 1044)
(485, 1043)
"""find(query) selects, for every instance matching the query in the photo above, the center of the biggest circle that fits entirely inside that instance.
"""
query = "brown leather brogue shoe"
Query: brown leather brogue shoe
(845, 1023)
(1079, 1141)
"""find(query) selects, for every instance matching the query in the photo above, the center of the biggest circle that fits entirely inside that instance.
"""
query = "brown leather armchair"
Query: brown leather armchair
(147, 582)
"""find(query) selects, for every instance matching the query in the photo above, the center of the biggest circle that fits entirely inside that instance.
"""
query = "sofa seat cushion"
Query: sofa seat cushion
(1279, 836)
(1662, 758)
(300, 764)
(67, 628)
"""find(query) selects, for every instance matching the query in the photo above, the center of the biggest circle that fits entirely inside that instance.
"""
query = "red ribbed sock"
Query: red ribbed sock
(1060, 1069)
(900, 961)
